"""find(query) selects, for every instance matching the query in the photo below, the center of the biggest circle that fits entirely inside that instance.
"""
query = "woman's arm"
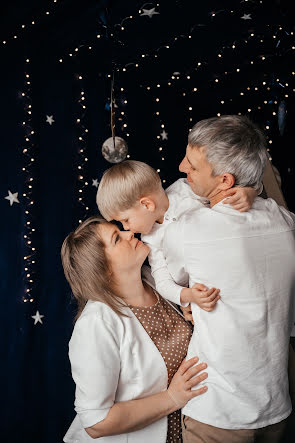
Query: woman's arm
(133, 415)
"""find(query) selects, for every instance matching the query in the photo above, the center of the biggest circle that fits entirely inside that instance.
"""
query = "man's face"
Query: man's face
(199, 172)
(137, 219)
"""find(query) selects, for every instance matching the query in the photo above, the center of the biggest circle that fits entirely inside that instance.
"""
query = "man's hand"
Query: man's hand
(240, 199)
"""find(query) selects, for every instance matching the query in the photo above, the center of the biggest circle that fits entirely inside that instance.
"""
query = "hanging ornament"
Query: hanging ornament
(114, 149)
(282, 111)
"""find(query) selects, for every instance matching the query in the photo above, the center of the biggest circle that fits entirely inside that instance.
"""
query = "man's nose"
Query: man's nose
(183, 167)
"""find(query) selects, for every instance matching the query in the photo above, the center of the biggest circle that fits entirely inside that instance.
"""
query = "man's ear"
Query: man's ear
(227, 181)
(147, 203)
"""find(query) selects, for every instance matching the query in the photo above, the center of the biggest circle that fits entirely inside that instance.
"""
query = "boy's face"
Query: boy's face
(138, 219)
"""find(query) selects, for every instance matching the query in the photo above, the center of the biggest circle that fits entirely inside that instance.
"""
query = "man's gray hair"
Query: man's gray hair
(233, 144)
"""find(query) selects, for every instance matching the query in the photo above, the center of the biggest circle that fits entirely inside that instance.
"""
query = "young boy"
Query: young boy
(131, 192)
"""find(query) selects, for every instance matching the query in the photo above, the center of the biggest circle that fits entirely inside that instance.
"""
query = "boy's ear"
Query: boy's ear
(147, 203)
(227, 181)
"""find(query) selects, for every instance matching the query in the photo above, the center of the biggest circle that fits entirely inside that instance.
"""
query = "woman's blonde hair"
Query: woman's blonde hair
(123, 185)
(86, 266)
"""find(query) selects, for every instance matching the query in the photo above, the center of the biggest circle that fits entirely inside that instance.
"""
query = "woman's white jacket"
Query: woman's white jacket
(113, 359)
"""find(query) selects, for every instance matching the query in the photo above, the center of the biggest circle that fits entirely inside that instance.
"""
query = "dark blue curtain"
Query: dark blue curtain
(37, 405)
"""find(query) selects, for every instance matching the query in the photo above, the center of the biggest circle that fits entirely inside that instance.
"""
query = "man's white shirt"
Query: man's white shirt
(181, 199)
(250, 257)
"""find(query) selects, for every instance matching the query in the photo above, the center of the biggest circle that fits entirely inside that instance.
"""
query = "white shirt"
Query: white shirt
(113, 359)
(251, 257)
(181, 199)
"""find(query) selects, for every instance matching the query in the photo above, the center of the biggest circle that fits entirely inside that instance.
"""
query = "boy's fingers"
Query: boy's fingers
(205, 293)
(200, 287)
(229, 192)
(210, 295)
(210, 306)
(232, 200)
(241, 208)
(213, 296)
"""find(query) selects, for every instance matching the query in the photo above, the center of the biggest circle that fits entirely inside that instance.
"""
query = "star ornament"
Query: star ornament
(50, 119)
(12, 197)
(149, 12)
(246, 17)
(164, 135)
(38, 318)
(95, 183)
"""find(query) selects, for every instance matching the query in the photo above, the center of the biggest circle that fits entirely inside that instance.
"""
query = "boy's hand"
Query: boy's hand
(240, 199)
(206, 298)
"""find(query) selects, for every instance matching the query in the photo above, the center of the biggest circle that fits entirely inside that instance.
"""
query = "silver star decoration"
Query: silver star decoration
(247, 17)
(164, 135)
(49, 119)
(12, 198)
(38, 318)
(149, 12)
(95, 183)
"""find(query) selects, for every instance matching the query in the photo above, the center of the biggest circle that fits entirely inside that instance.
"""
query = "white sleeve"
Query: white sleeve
(164, 282)
(95, 360)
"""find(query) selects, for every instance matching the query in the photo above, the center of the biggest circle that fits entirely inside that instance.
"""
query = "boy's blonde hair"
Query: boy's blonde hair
(123, 185)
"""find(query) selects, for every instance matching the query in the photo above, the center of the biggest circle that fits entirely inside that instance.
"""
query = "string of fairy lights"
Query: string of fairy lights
(82, 145)
(150, 10)
(28, 152)
(189, 83)
(24, 27)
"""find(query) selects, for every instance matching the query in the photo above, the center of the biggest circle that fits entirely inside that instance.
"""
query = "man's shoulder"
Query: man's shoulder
(180, 187)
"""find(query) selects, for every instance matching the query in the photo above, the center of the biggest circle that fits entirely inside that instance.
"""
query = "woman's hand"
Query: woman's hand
(240, 199)
(180, 388)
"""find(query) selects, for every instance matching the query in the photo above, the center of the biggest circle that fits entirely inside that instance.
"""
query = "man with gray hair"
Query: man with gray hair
(250, 256)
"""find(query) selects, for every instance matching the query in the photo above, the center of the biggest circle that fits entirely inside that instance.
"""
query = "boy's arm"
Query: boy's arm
(242, 198)
(178, 293)
(164, 282)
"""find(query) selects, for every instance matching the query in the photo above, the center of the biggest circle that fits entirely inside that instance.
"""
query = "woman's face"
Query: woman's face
(124, 252)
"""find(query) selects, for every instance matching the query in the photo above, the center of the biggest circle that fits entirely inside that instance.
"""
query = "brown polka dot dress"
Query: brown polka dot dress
(171, 334)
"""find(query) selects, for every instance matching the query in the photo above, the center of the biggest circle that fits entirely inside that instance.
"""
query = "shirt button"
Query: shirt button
(166, 217)
(174, 219)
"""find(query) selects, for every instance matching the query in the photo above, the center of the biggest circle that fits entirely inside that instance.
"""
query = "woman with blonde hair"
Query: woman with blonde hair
(128, 346)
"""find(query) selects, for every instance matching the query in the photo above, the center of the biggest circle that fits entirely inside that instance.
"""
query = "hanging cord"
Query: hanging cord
(113, 112)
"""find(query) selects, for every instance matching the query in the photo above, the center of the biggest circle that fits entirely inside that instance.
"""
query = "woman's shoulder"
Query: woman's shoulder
(99, 310)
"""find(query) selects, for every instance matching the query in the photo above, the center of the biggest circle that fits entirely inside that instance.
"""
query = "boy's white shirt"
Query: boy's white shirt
(181, 199)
